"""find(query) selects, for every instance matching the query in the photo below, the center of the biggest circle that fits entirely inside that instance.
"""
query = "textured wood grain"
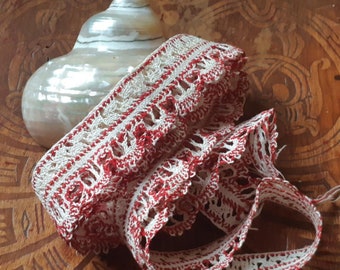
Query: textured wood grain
(294, 66)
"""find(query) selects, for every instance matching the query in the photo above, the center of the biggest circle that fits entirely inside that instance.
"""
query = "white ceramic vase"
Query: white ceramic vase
(110, 44)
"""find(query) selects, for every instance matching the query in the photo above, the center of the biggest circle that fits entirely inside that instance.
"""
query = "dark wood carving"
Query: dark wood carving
(294, 66)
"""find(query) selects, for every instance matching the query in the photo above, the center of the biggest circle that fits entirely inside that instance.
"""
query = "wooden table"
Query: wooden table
(294, 66)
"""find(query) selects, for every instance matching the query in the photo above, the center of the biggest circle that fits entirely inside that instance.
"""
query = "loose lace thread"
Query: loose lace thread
(331, 195)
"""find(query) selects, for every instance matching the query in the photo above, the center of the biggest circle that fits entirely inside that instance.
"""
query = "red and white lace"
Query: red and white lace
(163, 146)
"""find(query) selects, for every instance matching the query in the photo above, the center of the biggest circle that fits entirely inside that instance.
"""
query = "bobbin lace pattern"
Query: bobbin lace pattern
(164, 145)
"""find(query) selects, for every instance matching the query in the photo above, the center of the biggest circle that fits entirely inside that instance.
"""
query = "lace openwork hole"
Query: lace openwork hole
(148, 121)
(117, 150)
(68, 144)
(226, 173)
(88, 178)
(248, 191)
(202, 174)
(197, 139)
(192, 77)
(267, 149)
(215, 54)
(157, 188)
(184, 85)
(102, 125)
(175, 91)
(152, 117)
(200, 65)
(169, 105)
(242, 181)
(74, 193)
(156, 113)
(166, 173)
(192, 146)
(143, 242)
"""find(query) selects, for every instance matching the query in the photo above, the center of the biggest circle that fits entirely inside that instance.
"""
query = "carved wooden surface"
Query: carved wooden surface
(294, 66)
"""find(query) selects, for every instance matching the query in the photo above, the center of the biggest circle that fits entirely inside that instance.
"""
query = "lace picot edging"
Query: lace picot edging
(163, 146)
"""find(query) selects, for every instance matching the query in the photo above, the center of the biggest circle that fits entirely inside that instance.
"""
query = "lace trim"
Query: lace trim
(162, 147)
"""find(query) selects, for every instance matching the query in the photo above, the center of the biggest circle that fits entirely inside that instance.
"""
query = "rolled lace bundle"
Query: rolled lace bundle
(162, 147)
